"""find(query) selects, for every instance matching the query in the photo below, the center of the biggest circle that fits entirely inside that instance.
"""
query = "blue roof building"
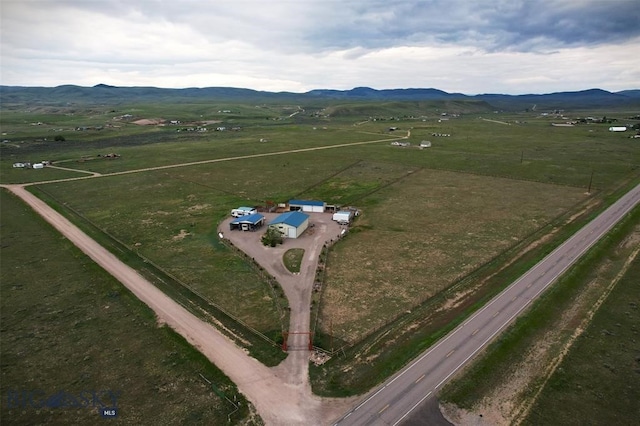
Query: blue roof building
(291, 224)
(247, 223)
(307, 206)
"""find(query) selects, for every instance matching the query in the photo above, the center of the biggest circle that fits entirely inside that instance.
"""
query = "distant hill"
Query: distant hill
(592, 98)
(105, 94)
(386, 94)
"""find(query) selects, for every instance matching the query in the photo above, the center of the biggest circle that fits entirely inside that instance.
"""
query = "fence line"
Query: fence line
(168, 274)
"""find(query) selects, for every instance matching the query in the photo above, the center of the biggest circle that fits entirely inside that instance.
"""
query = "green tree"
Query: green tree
(272, 237)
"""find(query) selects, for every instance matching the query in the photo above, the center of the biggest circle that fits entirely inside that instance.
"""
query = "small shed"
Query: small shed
(291, 224)
(247, 223)
(309, 206)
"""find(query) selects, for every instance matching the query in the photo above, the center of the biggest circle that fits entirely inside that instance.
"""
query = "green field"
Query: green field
(437, 224)
(68, 326)
(598, 381)
(172, 221)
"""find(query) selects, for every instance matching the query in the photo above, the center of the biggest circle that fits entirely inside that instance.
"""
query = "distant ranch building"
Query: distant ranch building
(618, 129)
(247, 223)
(291, 224)
(307, 206)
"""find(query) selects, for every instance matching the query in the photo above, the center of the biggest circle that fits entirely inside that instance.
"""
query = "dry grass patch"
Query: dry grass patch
(401, 252)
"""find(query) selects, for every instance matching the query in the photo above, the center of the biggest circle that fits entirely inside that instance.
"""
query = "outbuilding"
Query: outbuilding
(618, 129)
(247, 223)
(307, 206)
(343, 216)
(290, 224)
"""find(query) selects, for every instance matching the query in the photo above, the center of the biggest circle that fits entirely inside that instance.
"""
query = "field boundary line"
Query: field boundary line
(217, 160)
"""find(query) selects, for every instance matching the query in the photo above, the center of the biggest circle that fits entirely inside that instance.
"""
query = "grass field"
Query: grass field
(598, 381)
(522, 378)
(429, 216)
(409, 251)
(173, 223)
(534, 150)
(67, 326)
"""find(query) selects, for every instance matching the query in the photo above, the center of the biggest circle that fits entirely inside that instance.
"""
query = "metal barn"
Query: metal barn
(291, 224)
(308, 206)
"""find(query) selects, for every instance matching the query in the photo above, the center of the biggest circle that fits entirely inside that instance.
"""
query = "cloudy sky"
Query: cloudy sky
(467, 46)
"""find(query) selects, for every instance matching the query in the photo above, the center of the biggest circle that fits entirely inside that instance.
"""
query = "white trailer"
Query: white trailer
(343, 216)
(243, 211)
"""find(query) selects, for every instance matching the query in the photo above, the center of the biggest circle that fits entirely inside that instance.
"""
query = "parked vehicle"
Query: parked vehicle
(243, 211)
(343, 216)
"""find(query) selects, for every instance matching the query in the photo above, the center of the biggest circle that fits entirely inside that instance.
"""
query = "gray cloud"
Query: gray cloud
(511, 46)
(491, 25)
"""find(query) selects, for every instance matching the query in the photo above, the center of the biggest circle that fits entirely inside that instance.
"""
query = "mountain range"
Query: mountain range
(105, 94)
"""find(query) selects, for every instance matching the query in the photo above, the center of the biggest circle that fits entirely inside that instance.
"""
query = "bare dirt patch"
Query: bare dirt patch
(148, 121)
(198, 207)
(181, 236)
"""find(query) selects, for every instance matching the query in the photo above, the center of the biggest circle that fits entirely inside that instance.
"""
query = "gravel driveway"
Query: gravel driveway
(282, 395)
(297, 287)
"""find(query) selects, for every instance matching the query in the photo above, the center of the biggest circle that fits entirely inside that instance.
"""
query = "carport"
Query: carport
(247, 223)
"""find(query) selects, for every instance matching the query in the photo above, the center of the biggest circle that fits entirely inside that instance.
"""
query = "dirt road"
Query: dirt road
(280, 395)
(297, 287)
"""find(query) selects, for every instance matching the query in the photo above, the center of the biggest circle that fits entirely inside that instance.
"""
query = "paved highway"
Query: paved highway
(395, 400)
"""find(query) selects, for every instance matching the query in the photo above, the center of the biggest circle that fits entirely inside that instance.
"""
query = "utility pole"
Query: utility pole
(590, 182)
